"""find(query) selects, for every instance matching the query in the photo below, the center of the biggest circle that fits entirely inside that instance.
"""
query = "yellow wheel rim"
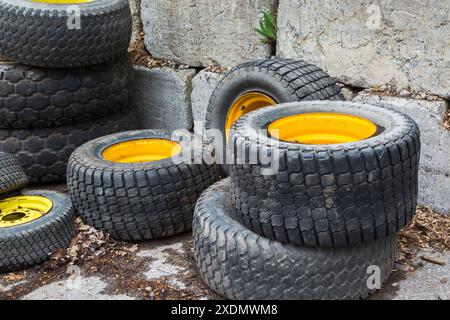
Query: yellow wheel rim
(20, 210)
(244, 104)
(62, 1)
(141, 150)
(322, 128)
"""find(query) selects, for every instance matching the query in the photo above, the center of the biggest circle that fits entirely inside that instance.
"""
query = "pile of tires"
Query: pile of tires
(64, 79)
(33, 224)
(319, 220)
(141, 185)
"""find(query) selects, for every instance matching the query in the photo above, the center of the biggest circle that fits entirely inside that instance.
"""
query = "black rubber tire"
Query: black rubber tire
(12, 176)
(284, 80)
(328, 195)
(30, 244)
(239, 264)
(37, 34)
(45, 98)
(137, 201)
(43, 153)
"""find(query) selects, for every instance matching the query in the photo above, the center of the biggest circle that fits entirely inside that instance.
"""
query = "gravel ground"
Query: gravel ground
(98, 268)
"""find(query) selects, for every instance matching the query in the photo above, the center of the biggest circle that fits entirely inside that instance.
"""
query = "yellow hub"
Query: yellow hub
(322, 128)
(63, 1)
(141, 150)
(244, 104)
(20, 210)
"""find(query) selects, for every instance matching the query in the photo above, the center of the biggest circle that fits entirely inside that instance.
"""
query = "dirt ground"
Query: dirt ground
(98, 268)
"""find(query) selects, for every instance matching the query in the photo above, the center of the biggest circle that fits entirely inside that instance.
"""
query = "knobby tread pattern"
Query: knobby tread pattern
(12, 176)
(31, 244)
(135, 202)
(37, 36)
(239, 264)
(44, 152)
(284, 80)
(45, 98)
(327, 196)
(301, 80)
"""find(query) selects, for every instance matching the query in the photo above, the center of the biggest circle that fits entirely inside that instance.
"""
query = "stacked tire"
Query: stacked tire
(33, 224)
(64, 79)
(319, 220)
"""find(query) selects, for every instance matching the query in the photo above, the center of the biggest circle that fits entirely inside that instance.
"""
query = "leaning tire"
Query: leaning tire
(278, 80)
(43, 153)
(239, 264)
(327, 195)
(137, 200)
(12, 176)
(45, 98)
(38, 34)
(26, 245)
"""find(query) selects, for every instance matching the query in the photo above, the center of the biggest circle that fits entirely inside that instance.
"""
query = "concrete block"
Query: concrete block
(202, 33)
(434, 181)
(203, 86)
(371, 42)
(163, 97)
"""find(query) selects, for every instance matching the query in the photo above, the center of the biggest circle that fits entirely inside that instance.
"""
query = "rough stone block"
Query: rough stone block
(202, 33)
(163, 97)
(203, 86)
(368, 42)
(434, 181)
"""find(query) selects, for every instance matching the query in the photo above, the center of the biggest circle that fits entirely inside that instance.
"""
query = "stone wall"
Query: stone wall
(364, 43)
(203, 32)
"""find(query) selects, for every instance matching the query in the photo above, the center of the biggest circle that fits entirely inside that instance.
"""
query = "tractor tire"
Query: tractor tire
(12, 176)
(326, 195)
(281, 80)
(44, 152)
(26, 245)
(55, 35)
(239, 264)
(137, 200)
(46, 98)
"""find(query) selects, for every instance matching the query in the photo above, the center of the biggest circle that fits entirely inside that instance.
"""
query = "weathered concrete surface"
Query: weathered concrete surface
(203, 33)
(163, 97)
(80, 288)
(428, 282)
(434, 181)
(168, 267)
(135, 7)
(371, 42)
(203, 86)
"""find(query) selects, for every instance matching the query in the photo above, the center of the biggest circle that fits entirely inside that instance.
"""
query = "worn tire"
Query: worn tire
(12, 176)
(284, 80)
(45, 98)
(30, 244)
(43, 153)
(137, 201)
(37, 34)
(328, 195)
(239, 264)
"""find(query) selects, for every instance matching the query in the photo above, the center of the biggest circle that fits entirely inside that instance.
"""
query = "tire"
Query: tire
(239, 264)
(137, 201)
(283, 80)
(12, 176)
(45, 98)
(333, 195)
(43, 153)
(30, 244)
(38, 34)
